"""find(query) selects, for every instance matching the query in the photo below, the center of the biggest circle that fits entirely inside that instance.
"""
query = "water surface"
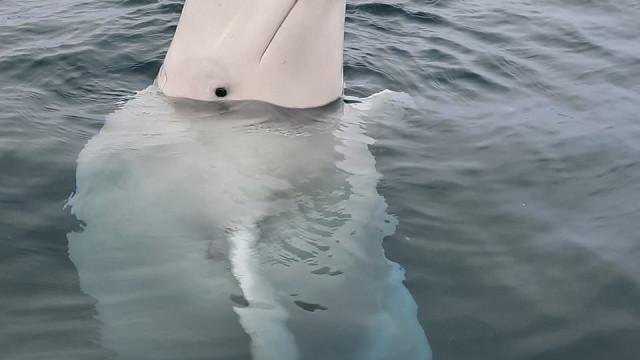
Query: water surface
(514, 179)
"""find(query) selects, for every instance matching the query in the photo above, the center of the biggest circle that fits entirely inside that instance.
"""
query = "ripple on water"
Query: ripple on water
(514, 178)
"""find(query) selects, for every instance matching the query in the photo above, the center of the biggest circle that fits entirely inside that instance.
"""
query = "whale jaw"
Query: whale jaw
(285, 52)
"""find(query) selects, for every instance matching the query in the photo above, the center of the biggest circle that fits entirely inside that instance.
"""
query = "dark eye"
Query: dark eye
(220, 92)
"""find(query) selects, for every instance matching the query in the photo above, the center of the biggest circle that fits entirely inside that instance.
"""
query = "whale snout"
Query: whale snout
(286, 52)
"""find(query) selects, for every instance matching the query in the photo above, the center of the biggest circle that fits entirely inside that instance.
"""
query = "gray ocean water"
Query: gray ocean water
(515, 179)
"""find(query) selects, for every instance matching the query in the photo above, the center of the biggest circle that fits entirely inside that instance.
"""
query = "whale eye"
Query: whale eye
(220, 92)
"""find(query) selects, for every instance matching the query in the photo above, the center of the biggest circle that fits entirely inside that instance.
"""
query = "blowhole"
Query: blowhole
(220, 92)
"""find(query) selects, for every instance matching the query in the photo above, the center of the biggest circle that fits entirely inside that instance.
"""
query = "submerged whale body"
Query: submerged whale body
(211, 226)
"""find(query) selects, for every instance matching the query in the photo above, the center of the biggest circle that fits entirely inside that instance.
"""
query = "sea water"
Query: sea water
(513, 177)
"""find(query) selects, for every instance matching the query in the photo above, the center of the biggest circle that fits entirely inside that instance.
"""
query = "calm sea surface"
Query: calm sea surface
(516, 180)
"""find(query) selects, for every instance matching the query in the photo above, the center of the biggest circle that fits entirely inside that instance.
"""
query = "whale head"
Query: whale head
(285, 52)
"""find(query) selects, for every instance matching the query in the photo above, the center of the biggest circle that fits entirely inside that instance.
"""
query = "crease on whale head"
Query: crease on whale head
(285, 52)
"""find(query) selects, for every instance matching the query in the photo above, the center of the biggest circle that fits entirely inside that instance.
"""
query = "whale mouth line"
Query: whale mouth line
(284, 18)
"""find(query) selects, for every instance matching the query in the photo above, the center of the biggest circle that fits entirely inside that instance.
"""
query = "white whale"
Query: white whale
(229, 230)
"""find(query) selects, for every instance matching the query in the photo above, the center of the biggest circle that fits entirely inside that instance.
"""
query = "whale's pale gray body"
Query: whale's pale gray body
(206, 221)
(236, 229)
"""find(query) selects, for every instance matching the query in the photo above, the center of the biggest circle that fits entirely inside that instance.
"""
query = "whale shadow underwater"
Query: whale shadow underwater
(207, 222)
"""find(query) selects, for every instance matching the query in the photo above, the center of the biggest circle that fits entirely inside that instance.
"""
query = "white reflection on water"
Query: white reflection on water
(208, 222)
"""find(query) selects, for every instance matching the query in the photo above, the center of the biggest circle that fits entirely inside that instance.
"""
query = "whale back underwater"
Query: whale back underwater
(205, 224)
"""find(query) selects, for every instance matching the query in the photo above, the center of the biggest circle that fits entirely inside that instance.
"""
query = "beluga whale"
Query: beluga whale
(230, 210)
